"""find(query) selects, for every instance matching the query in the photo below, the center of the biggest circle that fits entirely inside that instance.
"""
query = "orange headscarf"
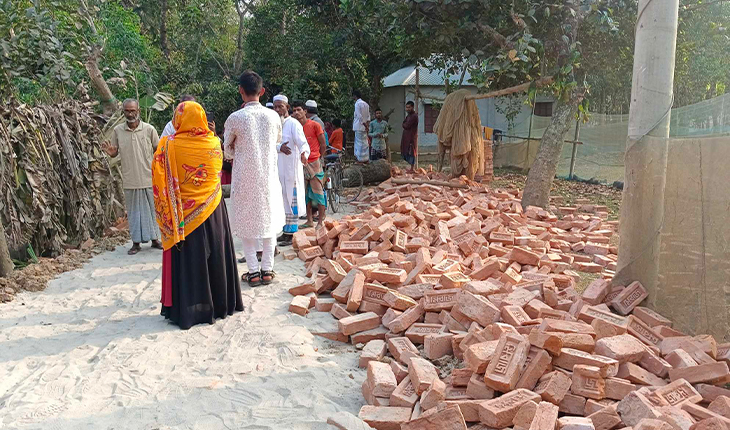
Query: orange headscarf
(186, 175)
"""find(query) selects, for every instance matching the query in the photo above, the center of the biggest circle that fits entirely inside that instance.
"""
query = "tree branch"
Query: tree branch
(688, 8)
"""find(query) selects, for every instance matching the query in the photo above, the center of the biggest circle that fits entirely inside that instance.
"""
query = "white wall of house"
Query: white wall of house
(489, 111)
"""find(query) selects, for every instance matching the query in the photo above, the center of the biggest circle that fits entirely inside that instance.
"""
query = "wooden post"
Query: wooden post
(6, 264)
(575, 149)
(418, 98)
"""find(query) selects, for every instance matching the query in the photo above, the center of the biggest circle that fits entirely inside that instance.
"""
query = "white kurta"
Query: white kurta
(291, 169)
(255, 189)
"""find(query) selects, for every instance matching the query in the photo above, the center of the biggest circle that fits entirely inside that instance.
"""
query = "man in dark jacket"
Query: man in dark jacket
(409, 139)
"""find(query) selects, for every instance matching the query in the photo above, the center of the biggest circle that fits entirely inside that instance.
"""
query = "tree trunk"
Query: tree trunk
(372, 173)
(377, 88)
(6, 264)
(542, 171)
(107, 99)
(238, 59)
(163, 29)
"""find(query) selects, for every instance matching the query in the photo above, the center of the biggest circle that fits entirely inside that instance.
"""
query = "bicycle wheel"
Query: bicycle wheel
(333, 196)
(352, 183)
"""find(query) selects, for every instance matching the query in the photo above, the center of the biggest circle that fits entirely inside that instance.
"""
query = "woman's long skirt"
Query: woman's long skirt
(204, 282)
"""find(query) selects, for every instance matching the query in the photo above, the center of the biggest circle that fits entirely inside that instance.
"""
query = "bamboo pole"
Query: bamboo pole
(542, 82)
(418, 105)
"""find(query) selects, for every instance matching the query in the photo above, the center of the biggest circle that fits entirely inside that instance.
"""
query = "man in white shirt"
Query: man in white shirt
(251, 138)
(360, 125)
(293, 153)
(169, 129)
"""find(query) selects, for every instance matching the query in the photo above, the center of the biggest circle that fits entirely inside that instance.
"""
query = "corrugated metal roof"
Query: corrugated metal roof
(427, 76)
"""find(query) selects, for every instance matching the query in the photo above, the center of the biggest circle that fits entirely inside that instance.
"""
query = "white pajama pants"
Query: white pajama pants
(266, 246)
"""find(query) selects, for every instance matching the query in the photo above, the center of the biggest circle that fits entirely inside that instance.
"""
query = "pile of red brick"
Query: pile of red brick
(431, 272)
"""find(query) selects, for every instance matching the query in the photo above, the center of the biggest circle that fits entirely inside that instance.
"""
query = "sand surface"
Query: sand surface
(93, 352)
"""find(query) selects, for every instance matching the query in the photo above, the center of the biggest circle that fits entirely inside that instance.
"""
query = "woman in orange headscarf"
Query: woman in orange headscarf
(199, 275)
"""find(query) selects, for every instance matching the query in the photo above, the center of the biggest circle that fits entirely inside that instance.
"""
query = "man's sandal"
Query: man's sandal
(135, 249)
(253, 279)
(270, 274)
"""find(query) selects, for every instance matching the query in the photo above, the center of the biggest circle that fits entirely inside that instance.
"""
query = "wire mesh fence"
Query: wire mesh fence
(600, 156)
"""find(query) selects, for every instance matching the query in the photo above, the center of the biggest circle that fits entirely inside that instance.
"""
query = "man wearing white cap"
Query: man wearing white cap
(313, 114)
(270, 105)
(293, 153)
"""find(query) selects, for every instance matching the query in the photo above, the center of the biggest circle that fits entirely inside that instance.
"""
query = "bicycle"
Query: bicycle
(343, 183)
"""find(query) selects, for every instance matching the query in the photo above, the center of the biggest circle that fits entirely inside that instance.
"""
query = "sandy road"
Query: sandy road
(93, 352)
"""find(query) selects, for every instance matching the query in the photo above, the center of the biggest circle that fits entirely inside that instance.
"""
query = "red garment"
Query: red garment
(312, 131)
(410, 131)
(225, 178)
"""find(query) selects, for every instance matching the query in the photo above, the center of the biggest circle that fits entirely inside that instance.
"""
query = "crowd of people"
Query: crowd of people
(273, 158)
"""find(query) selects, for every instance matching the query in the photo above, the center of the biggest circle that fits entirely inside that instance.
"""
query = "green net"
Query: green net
(603, 137)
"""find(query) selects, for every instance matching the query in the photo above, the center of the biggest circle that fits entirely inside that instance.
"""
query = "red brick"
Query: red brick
(589, 314)
(503, 370)
(546, 417)
(635, 407)
(680, 358)
(389, 276)
(605, 419)
(700, 413)
(534, 307)
(385, 417)
(398, 301)
(570, 357)
(550, 342)
(588, 382)
(712, 423)
(514, 315)
(338, 311)
(524, 256)
(553, 387)
(575, 423)
(422, 374)
(477, 308)
(526, 413)
(580, 341)
(617, 388)
(378, 333)
(643, 332)
(572, 404)
(720, 406)
(559, 326)
(434, 395)
(400, 371)
(438, 300)
(678, 392)
(450, 418)
(710, 392)
(650, 317)
(358, 323)
(373, 351)
(381, 379)
(499, 412)
(437, 345)
(300, 305)
(702, 373)
(537, 363)
(417, 331)
(356, 286)
(404, 395)
(638, 375)
(366, 306)
(402, 349)
(310, 253)
(454, 280)
(623, 348)
(596, 292)
(629, 298)
(375, 293)
(405, 320)
(478, 356)
(654, 364)
(477, 389)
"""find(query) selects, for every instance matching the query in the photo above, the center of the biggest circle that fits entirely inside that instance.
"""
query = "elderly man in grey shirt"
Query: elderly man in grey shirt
(135, 141)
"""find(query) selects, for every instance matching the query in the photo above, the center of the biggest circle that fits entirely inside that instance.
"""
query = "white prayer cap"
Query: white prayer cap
(281, 98)
(269, 104)
(310, 103)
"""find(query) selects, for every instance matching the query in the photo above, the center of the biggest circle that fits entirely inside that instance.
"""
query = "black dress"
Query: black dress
(205, 282)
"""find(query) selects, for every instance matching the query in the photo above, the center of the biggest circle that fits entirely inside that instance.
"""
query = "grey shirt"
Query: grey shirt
(136, 149)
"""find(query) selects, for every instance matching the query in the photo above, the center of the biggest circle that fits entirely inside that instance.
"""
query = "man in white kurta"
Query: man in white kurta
(251, 139)
(293, 153)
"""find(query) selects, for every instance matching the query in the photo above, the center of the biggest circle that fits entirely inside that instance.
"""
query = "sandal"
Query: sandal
(267, 274)
(135, 249)
(253, 279)
(306, 225)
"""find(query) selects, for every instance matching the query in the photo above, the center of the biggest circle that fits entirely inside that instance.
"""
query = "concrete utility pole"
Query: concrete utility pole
(642, 205)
